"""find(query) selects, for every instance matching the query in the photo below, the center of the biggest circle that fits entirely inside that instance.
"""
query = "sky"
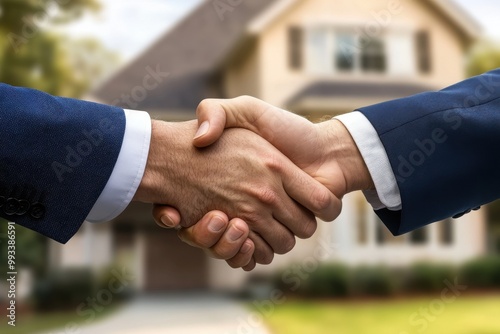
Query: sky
(129, 26)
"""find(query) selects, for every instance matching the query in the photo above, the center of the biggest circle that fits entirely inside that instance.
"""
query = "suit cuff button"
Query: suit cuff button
(37, 211)
(11, 206)
(24, 206)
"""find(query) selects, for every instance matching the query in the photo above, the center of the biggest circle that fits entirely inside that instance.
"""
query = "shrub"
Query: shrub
(373, 281)
(426, 277)
(328, 280)
(482, 273)
(62, 289)
(107, 275)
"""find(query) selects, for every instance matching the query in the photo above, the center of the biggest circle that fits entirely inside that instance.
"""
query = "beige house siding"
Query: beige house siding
(279, 82)
(242, 76)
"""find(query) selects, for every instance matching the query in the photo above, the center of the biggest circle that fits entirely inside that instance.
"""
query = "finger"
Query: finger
(166, 216)
(310, 193)
(207, 232)
(263, 252)
(266, 120)
(211, 122)
(250, 266)
(231, 242)
(244, 255)
(296, 218)
(276, 234)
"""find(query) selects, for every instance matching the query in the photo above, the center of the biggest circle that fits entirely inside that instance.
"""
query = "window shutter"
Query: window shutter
(295, 47)
(423, 52)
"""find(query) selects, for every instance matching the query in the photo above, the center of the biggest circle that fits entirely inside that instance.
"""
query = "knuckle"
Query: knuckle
(321, 199)
(273, 163)
(245, 99)
(287, 245)
(204, 105)
(267, 196)
(266, 258)
(237, 262)
(308, 228)
(250, 214)
(221, 253)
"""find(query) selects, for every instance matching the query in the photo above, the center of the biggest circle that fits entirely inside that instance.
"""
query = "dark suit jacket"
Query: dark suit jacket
(56, 157)
(443, 148)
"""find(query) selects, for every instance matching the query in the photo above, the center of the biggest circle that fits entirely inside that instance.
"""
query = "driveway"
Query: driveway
(180, 314)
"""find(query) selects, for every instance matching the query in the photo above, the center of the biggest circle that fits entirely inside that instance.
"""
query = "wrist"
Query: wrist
(338, 145)
(148, 191)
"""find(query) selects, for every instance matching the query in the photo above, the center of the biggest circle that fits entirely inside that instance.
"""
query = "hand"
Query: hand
(242, 175)
(325, 151)
(218, 237)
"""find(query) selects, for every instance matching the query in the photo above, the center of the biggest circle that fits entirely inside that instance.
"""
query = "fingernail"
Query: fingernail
(246, 248)
(216, 224)
(203, 129)
(234, 234)
(167, 222)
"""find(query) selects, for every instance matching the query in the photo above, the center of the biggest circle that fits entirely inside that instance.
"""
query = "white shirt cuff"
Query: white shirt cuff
(128, 171)
(365, 136)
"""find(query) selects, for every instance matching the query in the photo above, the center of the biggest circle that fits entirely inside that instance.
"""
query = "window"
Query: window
(372, 55)
(362, 223)
(384, 237)
(423, 52)
(380, 234)
(419, 236)
(345, 55)
(345, 50)
(295, 42)
(446, 232)
(319, 46)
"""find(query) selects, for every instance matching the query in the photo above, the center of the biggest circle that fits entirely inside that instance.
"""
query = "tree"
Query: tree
(32, 56)
(483, 57)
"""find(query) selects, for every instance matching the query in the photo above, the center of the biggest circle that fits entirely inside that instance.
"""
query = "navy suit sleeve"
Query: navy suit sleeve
(57, 155)
(442, 147)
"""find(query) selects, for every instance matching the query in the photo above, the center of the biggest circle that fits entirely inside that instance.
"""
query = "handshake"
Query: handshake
(256, 177)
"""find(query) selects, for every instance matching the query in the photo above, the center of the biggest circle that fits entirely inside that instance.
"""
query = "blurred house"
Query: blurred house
(314, 57)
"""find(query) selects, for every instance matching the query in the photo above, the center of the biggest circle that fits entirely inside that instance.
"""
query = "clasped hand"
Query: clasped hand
(255, 178)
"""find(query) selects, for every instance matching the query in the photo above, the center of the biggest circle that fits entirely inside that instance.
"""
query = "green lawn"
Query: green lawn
(465, 315)
(56, 321)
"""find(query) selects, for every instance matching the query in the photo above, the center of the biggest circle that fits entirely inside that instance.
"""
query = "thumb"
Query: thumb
(211, 122)
(166, 216)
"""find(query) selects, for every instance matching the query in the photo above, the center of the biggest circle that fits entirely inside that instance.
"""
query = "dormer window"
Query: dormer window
(350, 50)
(359, 53)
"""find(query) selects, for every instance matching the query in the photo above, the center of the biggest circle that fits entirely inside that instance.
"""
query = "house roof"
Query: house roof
(340, 96)
(189, 52)
(451, 11)
(329, 89)
(193, 50)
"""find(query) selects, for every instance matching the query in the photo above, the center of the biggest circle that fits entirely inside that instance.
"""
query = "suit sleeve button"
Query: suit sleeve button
(11, 206)
(24, 206)
(37, 210)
